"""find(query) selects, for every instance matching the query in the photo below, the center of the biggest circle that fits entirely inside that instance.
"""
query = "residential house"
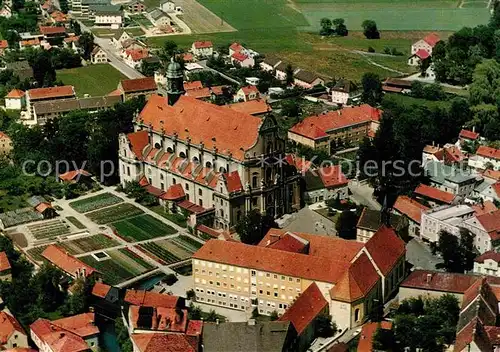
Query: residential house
(108, 293)
(246, 94)
(256, 107)
(280, 71)
(396, 85)
(412, 211)
(269, 64)
(98, 56)
(306, 79)
(487, 264)
(326, 131)
(6, 11)
(370, 222)
(167, 6)
(444, 218)
(59, 19)
(151, 342)
(132, 44)
(78, 331)
(76, 176)
(467, 136)
(30, 43)
(37, 95)
(486, 230)
(236, 48)
(5, 268)
(488, 190)
(419, 56)
(158, 17)
(485, 158)
(324, 183)
(365, 343)
(12, 334)
(130, 88)
(302, 314)
(15, 100)
(119, 37)
(153, 299)
(70, 265)
(134, 57)
(192, 85)
(5, 144)
(484, 208)
(449, 154)
(72, 42)
(4, 45)
(343, 92)
(239, 59)
(49, 32)
(427, 43)
(202, 49)
(107, 16)
(136, 7)
(251, 336)
(449, 178)
(433, 196)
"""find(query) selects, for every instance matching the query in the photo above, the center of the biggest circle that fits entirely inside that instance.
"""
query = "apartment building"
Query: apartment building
(452, 179)
(486, 230)
(444, 218)
(351, 276)
(344, 126)
(45, 95)
(485, 158)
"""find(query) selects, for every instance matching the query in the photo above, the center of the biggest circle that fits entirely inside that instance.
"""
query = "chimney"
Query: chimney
(251, 322)
(473, 128)
(429, 278)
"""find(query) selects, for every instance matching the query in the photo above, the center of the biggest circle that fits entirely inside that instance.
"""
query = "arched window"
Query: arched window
(157, 145)
(208, 164)
(170, 150)
(161, 176)
(356, 314)
(182, 155)
(222, 170)
(255, 180)
(196, 160)
(174, 181)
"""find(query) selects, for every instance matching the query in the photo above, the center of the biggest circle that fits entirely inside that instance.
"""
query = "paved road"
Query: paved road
(419, 255)
(204, 65)
(362, 193)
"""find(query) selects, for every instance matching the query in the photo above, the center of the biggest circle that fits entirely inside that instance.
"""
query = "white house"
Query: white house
(13, 335)
(487, 264)
(488, 190)
(167, 6)
(444, 218)
(98, 56)
(325, 183)
(134, 57)
(486, 230)
(486, 157)
(236, 48)
(427, 43)
(202, 49)
(108, 17)
(418, 57)
(343, 91)
(119, 37)
(269, 64)
(15, 100)
(242, 60)
(246, 94)
(306, 79)
(158, 18)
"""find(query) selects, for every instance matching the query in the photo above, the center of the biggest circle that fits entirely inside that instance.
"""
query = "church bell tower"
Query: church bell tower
(175, 81)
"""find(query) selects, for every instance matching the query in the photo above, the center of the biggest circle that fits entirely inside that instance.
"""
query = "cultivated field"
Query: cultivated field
(201, 20)
(173, 250)
(122, 265)
(96, 80)
(95, 202)
(142, 227)
(115, 213)
(48, 229)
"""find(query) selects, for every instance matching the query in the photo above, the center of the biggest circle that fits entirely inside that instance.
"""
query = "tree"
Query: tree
(212, 316)
(423, 65)
(457, 252)
(289, 75)
(274, 315)
(75, 27)
(253, 227)
(194, 313)
(168, 51)
(340, 27)
(122, 336)
(383, 339)
(370, 29)
(323, 326)
(290, 108)
(346, 225)
(372, 88)
(49, 280)
(148, 68)
(326, 26)
(43, 69)
(190, 294)
(86, 42)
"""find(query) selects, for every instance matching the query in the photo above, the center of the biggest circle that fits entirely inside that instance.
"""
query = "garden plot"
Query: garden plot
(172, 250)
(121, 266)
(143, 227)
(111, 214)
(88, 244)
(36, 253)
(95, 202)
(48, 229)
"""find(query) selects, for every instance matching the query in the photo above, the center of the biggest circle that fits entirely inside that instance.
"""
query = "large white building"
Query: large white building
(444, 218)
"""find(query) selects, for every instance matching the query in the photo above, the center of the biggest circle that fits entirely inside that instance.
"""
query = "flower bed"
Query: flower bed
(49, 229)
(95, 202)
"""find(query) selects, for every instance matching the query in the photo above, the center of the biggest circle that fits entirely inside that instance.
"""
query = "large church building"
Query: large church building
(210, 160)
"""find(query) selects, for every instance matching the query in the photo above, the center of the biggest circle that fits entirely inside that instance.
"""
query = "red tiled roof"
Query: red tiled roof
(332, 176)
(252, 107)
(249, 89)
(30, 42)
(491, 223)
(100, 289)
(357, 281)
(162, 343)
(194, 327)
(82, 325)
(409, 207)
(432, 39)
(472, 332)
(439, 281)
(236, 47)
(8, 326)
(385, 248)
(316, 126)
(187, 57)
(191, 207)
(42, 207)
(202, 44)
(137, 55)
(493, 174)
(365, 343)
(138, 141)
(493, 334)
(217, 90)
(208, 230)
(233, 182)
(215, 126)
(150, 299)
(434, 193)
(288, 242)
(482, 288)
(239, 56)
(15, 93)
(4, 44)
(47, 30)
(162, 319)
(192, 85)
(116, 92)
(339, 347)
(387, 88)
(484, 208)
(4, 136)
(51, 92)
(305, 308)
(453, 154)
(492, 255)
(199, 93)
(468, 134)
(4, 262)
(138, 84)
(65, 261)
(301, 164)
(174, 192)
(70, 175)
(422, 54)
(488, 152)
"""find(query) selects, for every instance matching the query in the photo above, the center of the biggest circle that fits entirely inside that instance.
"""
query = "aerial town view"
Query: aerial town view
(249, 175)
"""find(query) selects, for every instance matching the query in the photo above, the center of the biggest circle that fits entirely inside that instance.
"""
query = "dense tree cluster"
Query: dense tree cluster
(457, 252)
(370, 29)
(253, 227)
(333, 27)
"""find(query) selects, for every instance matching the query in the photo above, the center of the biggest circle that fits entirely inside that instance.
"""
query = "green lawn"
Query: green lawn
(142, 227)
(96, 80)
(177, 219)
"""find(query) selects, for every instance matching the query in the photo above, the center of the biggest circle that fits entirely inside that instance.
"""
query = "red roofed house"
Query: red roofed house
(433, 195)
(153, 299)
(5, 268)
(4, 45)
(52, 31)
(67, 263)
(12, 334)
(135, 87)
(5, 144)
(348, 125)
(365, 343)
(488, 263)
(202, 49)
(486, 158)
(15, 100)
(427, 44)
(468, 136)
(46, 94)
(206, 149)
(239, 59)
(246, 94)
(105, 292)
(77, 333)
(486, 230)
(134, 57)
(76, 176)
(412, 211)
(163, 343)
(418, 57)
(325, 183)
(192, 85)
(303, 312)
(235, 48)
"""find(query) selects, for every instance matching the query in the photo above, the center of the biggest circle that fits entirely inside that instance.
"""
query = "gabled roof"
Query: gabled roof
(271, 61)
(236, 47)
(159, 319)
(51, 92)
(202, 44)
(385, 248)
(306, 76)
(484, 207)
(233, 182)
(439, 281)
(489, 255)
(492, 174)
(4, 44)
(138, 55)
(288, 242)
(163, 343)
(192, 85)
(47, 30)
(8, 326)
(138, 141)
(101, 290)
(435, 193)
(422, 54)
(468, 134)
(473, 332)
(4, 262)
(71, 175)
(249, 89)
(138, 84)
(432, 39)
(239, 56)
(371, 220)
(65, 261)
(365, 343)
(332, 176)
(491, 223)
(82, 325)
(252, 107)
(15, 93)
(410, 207)
(174, 192)
(488, 152)
(150, 299)
(305, 308)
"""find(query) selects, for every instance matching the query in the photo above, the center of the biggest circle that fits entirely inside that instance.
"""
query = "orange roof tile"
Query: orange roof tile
(65, 261)
(365, 343)
(58, 339)
(288, 242)
(70, 175)
(301, 164)
(138, 141)
(15, 93)
(488, 152)
(8, 326)
(484, 208)
(4, 44)
(208, 230)
(199, 93)
(162, 319)
(439, 281)
(4, 136)
(409, 207)
(51, 92)
(432, 39)
(174, 192)
(214, 126)
(100, 289)
(493, 174)
(82, 325)
(116, 92)
(249, 89)
(236, 47)
(305, 308)
(30, 42)
(472, 332)
(252, 107)
(239, 56)
(48, 30)
(192, 85)
(434, 193)
(4, 262)
(73, 38)
(385, 248)
(151, 299)
(202, 44)
(187, 57)
(233, 182)
(422, 54)
(137, 54)
(468, 134)
(138, 84)
(42, 207)
(491, 223)
(162, 343)
(194, 327)
(332, 176)
(315, 127)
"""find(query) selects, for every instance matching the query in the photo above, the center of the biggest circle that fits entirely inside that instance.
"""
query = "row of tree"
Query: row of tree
(333, 27)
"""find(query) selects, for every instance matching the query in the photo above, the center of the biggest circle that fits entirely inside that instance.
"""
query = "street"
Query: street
(362, 194)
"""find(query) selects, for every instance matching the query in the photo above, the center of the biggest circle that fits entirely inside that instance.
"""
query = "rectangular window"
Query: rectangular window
(200, 192)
